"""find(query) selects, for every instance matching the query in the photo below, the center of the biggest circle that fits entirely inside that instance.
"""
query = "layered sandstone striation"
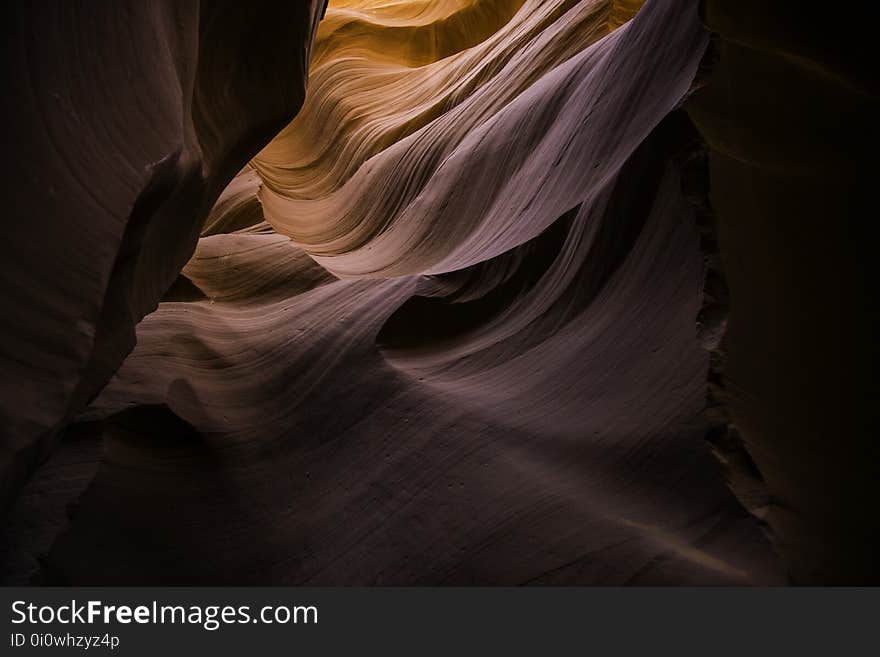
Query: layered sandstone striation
(451, 324)
(126, 122)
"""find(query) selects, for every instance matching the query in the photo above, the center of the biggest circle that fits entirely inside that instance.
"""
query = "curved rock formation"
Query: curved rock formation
(449, 326)
(128, 121)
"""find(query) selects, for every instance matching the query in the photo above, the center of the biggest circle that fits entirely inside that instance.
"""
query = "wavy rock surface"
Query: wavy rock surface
(130, 119)
(443, 328)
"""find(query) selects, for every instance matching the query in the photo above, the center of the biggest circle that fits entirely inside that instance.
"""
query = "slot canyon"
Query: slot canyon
(453, 292)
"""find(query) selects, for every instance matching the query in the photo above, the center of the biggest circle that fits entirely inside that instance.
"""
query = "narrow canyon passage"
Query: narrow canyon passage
(387, 293)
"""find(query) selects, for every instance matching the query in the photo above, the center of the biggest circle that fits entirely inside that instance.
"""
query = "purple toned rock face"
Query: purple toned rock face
(463, 320)
(126, 121)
